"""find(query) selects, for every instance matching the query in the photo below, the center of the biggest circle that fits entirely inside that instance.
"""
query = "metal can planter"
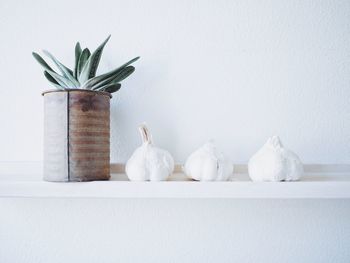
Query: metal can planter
(76, 135)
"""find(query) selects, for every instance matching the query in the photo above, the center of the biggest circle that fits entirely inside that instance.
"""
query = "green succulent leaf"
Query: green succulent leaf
(83, 75)
(111, 87)
(52, 80)
(49, 77)
(124, 73)
(41, 61)
(82, 60)
(68, 73)
(62, 81)
(59, 65)
(118, 77)
(109, 76)
(89, 70)
(78, 52)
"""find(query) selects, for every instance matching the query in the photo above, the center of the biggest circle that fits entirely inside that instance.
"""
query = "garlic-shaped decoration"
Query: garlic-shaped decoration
(149, 163)
(275, 163)
(208, 164)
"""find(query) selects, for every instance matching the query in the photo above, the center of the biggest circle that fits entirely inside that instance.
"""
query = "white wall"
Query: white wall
(103, 231)
(235, 71)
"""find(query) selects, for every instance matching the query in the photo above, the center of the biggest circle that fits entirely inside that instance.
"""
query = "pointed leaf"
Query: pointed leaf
(124, 73)
(59, 65)
(62, 81)
(65, 71)
(89, 70)
(49, 77)
(103, 86)
(41, 61)
(52, 80)
(111, 87)
(77, 56)
(116, 78)
(82, 60)
(95, 60)
(107, 76)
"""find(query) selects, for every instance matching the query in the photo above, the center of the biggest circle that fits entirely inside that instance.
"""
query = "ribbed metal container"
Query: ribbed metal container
(76, 135)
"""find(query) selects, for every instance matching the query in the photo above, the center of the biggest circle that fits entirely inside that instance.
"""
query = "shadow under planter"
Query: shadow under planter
(76, 135)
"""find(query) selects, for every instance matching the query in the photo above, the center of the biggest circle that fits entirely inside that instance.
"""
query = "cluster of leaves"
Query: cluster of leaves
(84, 74)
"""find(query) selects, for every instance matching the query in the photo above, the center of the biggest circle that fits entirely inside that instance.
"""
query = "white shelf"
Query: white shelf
(312, 186)
(326, 182)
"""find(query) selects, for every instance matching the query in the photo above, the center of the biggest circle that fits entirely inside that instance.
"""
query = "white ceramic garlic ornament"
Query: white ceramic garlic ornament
(208, 164)
(275, 163)
(149, 163)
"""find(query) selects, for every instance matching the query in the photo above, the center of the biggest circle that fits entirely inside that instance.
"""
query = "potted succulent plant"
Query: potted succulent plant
(76, 118)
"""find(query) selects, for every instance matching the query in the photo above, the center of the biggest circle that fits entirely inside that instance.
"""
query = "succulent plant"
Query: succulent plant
(84, 74)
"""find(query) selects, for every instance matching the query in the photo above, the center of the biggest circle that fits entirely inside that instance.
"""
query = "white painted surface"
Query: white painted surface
(317, 185)
(235, 71)
(169, 230)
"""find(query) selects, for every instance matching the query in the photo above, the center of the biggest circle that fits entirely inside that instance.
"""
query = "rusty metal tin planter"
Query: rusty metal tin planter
(76, 135)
